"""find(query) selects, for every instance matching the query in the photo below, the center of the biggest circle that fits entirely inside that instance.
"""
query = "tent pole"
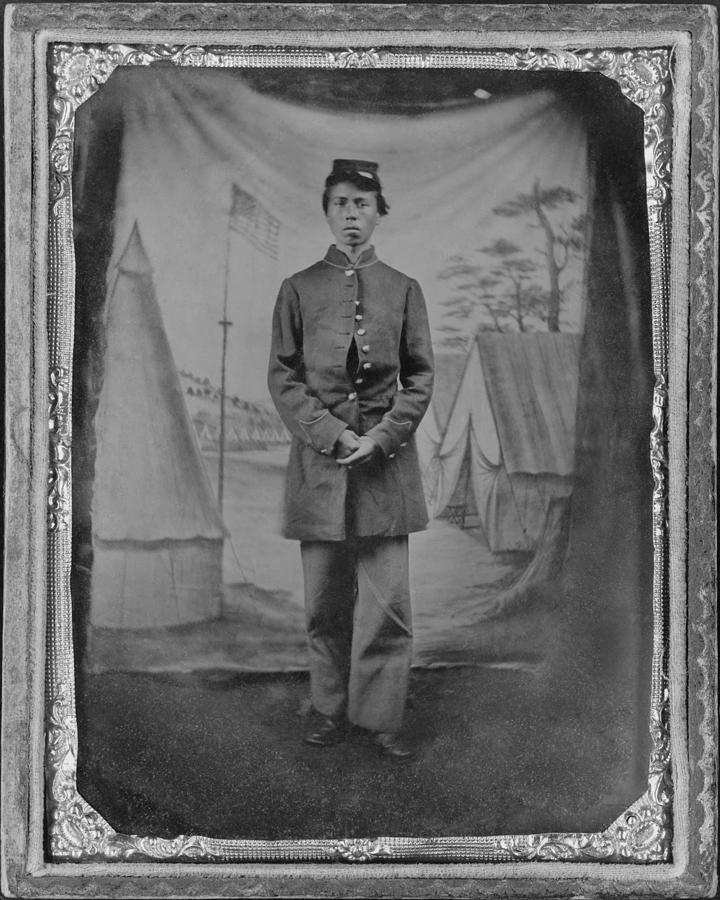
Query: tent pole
(224, 323)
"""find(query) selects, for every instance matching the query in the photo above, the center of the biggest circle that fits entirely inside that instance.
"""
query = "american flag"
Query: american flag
(250, 218)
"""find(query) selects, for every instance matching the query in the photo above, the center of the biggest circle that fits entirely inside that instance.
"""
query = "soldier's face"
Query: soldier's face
(352, 215)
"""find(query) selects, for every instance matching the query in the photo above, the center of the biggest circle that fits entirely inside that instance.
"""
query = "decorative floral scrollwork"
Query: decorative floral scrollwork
(191, 56)
(356, 59)
(182, 847)
(76, 830)
(658, 459)
(643, 837)
(59, 470)
(643, 76)
(61, 154)
(361, 849)
(59, 400)
(79, 70)
(660, 788)
(559, 847)
(642, 833)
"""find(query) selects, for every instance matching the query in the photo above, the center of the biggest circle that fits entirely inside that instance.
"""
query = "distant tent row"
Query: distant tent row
(240, 434)
(249, 425)
(208, 391)
(200, 391)
(507, 448)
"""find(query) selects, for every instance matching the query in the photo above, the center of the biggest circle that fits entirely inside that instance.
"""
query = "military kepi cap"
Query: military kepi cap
(361, 166)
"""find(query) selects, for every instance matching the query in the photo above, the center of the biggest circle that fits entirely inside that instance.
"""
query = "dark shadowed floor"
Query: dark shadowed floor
(559, 742)
(500, 751)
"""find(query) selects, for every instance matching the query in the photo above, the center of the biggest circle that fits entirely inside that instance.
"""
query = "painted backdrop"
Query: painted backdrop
(218, 199)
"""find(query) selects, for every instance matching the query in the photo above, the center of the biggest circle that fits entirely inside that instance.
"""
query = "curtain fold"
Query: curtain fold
(607, 577)
(192, 136)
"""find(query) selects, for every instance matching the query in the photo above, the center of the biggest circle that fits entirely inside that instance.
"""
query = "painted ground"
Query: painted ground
(457, 588)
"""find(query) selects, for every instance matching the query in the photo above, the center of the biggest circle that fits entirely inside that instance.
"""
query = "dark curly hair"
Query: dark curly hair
(361, 182)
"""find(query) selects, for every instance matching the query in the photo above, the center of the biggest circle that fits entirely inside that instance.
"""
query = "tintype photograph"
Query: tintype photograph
(373, 373)
(362, 360)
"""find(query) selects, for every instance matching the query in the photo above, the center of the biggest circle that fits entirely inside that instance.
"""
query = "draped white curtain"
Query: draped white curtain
(191, 135)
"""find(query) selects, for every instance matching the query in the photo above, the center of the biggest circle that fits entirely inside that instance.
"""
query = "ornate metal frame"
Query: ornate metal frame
(642, 834)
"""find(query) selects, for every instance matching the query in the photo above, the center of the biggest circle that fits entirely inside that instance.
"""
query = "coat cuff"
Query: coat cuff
(391, 435)
(322, 433)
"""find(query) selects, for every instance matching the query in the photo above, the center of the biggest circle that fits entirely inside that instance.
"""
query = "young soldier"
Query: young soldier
(351, 373)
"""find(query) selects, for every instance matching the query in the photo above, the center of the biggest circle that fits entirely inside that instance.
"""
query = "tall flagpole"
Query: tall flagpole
(224, 323)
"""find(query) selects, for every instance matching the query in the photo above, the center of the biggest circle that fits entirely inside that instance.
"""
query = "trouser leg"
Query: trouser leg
(330, 590)
(382, 635)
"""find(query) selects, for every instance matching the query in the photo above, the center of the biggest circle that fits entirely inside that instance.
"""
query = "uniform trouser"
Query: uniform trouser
(357, 604)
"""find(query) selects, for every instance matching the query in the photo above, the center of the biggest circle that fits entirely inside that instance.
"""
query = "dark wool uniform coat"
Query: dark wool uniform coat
(351, 348)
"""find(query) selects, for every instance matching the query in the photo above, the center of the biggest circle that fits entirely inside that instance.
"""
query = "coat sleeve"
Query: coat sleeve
(416, 377)
(302, 412)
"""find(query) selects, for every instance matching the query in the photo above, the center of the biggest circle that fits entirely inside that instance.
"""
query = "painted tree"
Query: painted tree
(505, 287)
(560, 240)
(496, 290)
(474, 292)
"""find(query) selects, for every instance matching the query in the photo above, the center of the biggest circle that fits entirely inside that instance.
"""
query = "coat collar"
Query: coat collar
(337, 258)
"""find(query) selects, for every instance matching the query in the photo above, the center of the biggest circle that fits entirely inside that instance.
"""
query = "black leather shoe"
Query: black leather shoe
(325, 732)
(392, 746)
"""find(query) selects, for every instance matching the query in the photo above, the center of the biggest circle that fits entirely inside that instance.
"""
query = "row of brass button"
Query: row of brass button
(365, 347)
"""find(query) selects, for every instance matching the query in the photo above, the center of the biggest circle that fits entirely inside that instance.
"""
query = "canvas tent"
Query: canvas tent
(157, 534)
(428, 440)
(509, 444)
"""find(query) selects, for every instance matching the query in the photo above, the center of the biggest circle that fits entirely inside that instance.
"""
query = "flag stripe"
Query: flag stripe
(250, 218)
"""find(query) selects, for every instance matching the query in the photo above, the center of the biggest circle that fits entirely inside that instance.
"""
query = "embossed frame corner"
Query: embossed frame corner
(642, 834)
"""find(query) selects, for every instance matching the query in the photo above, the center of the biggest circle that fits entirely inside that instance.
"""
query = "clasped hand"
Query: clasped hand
(352, 449)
